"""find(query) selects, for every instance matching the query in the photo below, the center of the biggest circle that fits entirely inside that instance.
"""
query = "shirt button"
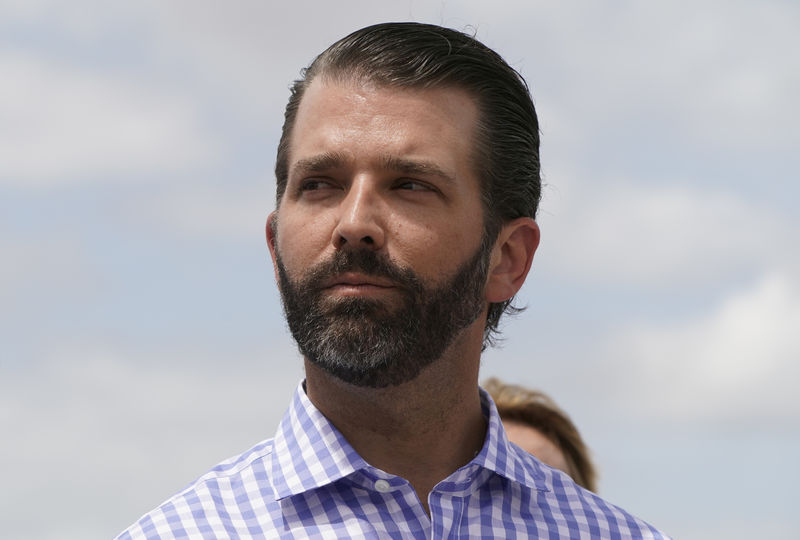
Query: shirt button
(382, 486)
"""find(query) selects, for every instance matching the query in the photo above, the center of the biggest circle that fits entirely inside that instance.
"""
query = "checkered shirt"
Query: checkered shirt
(308, 482)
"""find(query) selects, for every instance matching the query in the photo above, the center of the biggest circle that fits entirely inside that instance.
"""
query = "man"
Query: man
(408, 182)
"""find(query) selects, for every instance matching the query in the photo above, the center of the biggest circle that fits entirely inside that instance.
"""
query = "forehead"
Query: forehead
(357, 117)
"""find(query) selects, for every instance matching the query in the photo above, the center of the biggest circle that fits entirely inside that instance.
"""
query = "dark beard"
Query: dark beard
(368, 343)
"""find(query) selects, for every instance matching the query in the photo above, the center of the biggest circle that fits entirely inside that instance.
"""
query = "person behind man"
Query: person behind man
(536, 424)
(407, 187)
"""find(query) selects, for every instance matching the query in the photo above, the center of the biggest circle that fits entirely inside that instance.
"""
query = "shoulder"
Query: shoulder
(238, 465)
(215, 502)
(561, 502)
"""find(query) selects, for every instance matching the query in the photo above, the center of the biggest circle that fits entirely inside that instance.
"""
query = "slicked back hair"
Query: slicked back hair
(421, 56)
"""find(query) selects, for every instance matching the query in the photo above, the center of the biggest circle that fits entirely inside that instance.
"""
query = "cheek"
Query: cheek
(432, 249)
(302, 241)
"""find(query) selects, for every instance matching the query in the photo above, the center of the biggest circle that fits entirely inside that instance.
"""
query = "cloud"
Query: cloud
(661, 236)
(65, 124)
(720, 78)
(251, 53)
(737, 363)
(53, 266)
(228, 211)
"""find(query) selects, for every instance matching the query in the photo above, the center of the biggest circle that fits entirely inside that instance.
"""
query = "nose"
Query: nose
(360, 225)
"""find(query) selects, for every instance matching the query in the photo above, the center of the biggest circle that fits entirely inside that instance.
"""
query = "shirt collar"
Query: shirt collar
(309, 452)
(503, 457)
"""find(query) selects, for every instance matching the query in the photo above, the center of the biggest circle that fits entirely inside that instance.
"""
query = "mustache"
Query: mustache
(363, 261)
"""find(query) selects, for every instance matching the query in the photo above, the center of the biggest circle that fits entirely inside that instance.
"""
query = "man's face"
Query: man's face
(377, 243)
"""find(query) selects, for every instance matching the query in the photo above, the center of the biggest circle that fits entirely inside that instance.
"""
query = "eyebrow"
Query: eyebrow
(319, 163)
(336, 160)
(416, 168)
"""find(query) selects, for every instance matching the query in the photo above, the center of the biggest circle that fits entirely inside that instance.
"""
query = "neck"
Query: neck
(422, 430)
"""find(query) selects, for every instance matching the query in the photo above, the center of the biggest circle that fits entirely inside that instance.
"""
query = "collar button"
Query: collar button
(382, 486)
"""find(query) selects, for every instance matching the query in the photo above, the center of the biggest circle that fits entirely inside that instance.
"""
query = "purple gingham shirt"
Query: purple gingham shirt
(308, 482)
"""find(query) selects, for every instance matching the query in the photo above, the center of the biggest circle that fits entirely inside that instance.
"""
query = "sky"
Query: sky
(141, 335)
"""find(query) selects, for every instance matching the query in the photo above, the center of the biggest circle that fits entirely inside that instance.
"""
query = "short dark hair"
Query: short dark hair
(416, 55)
(537, 410)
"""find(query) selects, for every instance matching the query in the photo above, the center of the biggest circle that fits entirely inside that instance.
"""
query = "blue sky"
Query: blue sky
(142, 337)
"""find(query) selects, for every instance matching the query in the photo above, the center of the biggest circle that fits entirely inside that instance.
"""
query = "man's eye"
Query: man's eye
(315, 184)
(413, 185)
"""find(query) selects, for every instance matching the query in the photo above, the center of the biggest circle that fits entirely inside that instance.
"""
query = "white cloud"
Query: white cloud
(712, 75)
(736, 364)
(659, 236)
(252, 51)
(63, 124)
(221, 211)
(44, 266)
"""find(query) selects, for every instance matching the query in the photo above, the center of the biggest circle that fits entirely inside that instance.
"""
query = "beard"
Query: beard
(369, 342)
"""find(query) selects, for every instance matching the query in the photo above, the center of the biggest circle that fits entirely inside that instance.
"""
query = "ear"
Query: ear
(512, 256)
(271, 239)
